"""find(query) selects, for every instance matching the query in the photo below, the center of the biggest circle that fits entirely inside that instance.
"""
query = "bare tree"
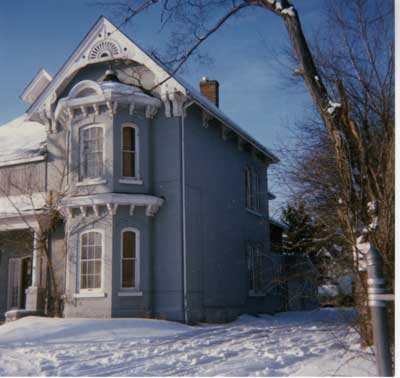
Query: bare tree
(357, 49)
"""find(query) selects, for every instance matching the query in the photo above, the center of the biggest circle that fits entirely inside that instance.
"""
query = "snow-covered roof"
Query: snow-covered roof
(21, 139)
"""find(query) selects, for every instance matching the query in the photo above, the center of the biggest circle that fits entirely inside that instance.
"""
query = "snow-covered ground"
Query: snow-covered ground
(293, 343)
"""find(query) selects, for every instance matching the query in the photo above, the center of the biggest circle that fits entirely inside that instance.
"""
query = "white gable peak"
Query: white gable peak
(104, 42)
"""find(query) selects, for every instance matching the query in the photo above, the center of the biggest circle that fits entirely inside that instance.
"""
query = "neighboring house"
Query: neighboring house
(298, 276)
(164, 199)
(276, 230)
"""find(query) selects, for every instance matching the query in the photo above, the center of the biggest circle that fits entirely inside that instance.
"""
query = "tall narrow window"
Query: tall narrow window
(252, 189)
(90, 263)
(92, 152)
(129, 152)
(248, 181)
(256, 194)
(255, 269)
(129, 259)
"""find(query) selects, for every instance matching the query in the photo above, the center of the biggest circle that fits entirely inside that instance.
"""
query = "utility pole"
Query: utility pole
(377, 298)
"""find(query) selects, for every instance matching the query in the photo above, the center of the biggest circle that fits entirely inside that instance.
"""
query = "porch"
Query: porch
(22, 274)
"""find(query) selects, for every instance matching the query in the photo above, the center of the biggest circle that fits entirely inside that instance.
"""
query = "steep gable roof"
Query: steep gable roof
(105, 41)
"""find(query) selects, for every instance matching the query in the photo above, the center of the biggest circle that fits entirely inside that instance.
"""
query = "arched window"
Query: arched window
(130, 153)
(90, 260)
(92, 152)
(130, 259)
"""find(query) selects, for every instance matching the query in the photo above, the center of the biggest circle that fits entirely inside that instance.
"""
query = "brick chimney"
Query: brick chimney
(210, 90)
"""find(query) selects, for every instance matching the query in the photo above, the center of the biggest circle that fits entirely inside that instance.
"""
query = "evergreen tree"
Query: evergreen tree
(301, 232)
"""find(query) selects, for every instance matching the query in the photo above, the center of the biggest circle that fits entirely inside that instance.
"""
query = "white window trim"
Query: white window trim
(127, 179)
(133, 181)
(92, 180)
(130, 294)
(87, 293)
(88, 182)
(136, 289)
(90, 294)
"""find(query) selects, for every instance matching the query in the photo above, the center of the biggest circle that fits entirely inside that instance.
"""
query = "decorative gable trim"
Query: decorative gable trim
(103, 42)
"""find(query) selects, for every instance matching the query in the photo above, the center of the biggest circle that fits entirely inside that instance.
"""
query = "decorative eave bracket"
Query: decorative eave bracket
(111, 202)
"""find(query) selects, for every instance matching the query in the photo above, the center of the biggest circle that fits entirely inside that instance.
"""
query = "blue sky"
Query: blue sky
(246, 51)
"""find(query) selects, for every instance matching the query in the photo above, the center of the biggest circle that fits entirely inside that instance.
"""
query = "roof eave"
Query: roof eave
(273, 159)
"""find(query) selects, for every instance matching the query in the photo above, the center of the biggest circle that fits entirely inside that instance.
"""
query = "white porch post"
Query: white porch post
(34, 292)
(35, 262)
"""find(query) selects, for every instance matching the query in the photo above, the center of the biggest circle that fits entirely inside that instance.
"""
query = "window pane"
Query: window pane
(129, 244)
(83, 267)
(91, 238)
(90, 282)
(128, 273)
(90, 267)
(128, 164)
(97, 267)
(84, 253)
(90, 252)
(128, 139)
(83, 282)
(97, 252)
(248, 188)
(97, 281)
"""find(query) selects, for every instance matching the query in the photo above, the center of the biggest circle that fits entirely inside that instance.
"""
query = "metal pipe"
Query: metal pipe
(184, 252)
(376, 287)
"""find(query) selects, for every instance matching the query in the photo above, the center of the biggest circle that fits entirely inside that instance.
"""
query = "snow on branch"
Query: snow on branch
(332, 107)
(289, 11)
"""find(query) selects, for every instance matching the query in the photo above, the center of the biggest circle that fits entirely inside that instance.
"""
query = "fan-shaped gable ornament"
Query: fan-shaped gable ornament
(104, 49)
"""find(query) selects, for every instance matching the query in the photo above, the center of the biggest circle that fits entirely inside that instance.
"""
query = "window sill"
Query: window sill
(254, 212)
(130, 181)
(94, 294)
(91, 182)
(130, 293)
(257, 295)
